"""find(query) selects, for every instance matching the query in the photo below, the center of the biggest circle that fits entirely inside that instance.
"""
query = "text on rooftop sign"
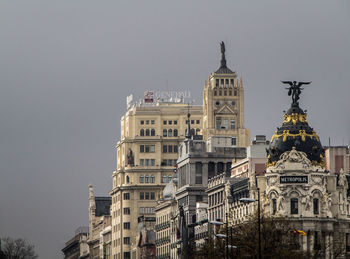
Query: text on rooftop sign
(293, 179)
(166, 95)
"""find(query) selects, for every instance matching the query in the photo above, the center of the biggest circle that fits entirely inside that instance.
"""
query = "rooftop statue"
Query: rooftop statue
(222, 44)
(294, 89)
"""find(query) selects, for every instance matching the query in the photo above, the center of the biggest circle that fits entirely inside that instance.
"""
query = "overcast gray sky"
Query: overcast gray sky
(67, 66)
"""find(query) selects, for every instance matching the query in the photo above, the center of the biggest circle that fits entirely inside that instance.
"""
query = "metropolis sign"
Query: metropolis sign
(293, 179)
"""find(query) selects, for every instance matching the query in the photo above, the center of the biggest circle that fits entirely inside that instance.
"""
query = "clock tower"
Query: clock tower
(223, 105)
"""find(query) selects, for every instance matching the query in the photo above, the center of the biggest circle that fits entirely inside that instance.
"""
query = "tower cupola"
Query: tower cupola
(295, 132)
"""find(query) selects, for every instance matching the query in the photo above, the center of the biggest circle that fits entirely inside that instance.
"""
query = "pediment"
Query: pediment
(225, 109)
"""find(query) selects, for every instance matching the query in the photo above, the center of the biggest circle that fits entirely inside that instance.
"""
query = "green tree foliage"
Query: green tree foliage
(18, 249)
(277, 241)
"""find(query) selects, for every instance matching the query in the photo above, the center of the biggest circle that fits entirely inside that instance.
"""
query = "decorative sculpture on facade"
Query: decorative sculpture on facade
(130, 157)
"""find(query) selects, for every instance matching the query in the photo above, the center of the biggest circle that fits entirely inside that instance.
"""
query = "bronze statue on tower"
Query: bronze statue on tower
(294, 89)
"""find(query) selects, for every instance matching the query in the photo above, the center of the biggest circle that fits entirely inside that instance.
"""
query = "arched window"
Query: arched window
(141, 178)
(274, 206)
(153, 132)
(147, 132)
(175, 132)
(165, 133)
(316, 206)
(127, 178)
(198, 131)
(170, 133)
(142, 132)
(153, 179)
(146, 179)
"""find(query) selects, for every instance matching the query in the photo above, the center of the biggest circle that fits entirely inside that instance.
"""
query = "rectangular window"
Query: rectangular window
(347, 237)
(164, 178)
(142, 195)
(170, 149)
(192, 121)
(126, 196)
(218, 123)
(126, 240)
(222, 81)
(198, 173)
(127, 255)
(225, 124)
(293, 206)
(217, 82)
(170, 162)
(170, 122)
(197, 121)
(316, 206)
(233, 142)
(317, 243)
(147, 122)
(175, 149)
(127, 211)
(153, 196)
(142, 122)
(141, 178)
(126, 225)
(164, 122)
(152, 121)
(227, 81)
(231, 81)
(165, 148)
(164, 162)
(153, 162)
(175, 122)
(146, 195)
(147, 162)
(147, 148)
(142, 162)
(233, 124)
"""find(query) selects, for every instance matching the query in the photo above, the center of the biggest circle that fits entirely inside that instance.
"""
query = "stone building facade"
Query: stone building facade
(77, 247)
(99, 220)
(151, 132)
(167, 231)
(223, 105)
(298, 186)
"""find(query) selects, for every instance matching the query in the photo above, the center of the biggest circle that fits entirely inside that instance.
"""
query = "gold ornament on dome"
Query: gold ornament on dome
(302, 134)
(294, 118)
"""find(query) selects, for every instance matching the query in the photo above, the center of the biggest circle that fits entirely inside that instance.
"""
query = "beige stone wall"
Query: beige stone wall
(143, 182)
(223, 100)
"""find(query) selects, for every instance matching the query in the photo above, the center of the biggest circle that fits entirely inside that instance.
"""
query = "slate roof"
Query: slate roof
(103, 205)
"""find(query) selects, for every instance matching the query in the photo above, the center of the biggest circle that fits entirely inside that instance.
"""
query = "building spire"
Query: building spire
(188, 123)
(223, 59)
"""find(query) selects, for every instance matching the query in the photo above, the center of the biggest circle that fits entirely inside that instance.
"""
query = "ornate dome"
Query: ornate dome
(295, 132)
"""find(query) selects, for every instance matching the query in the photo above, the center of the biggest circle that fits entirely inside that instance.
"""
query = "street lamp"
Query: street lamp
(250, 200)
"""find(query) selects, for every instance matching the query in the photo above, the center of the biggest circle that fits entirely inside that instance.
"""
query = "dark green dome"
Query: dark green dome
(295, 132)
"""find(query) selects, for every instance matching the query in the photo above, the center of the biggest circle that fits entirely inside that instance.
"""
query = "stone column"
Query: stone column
(312, 241)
